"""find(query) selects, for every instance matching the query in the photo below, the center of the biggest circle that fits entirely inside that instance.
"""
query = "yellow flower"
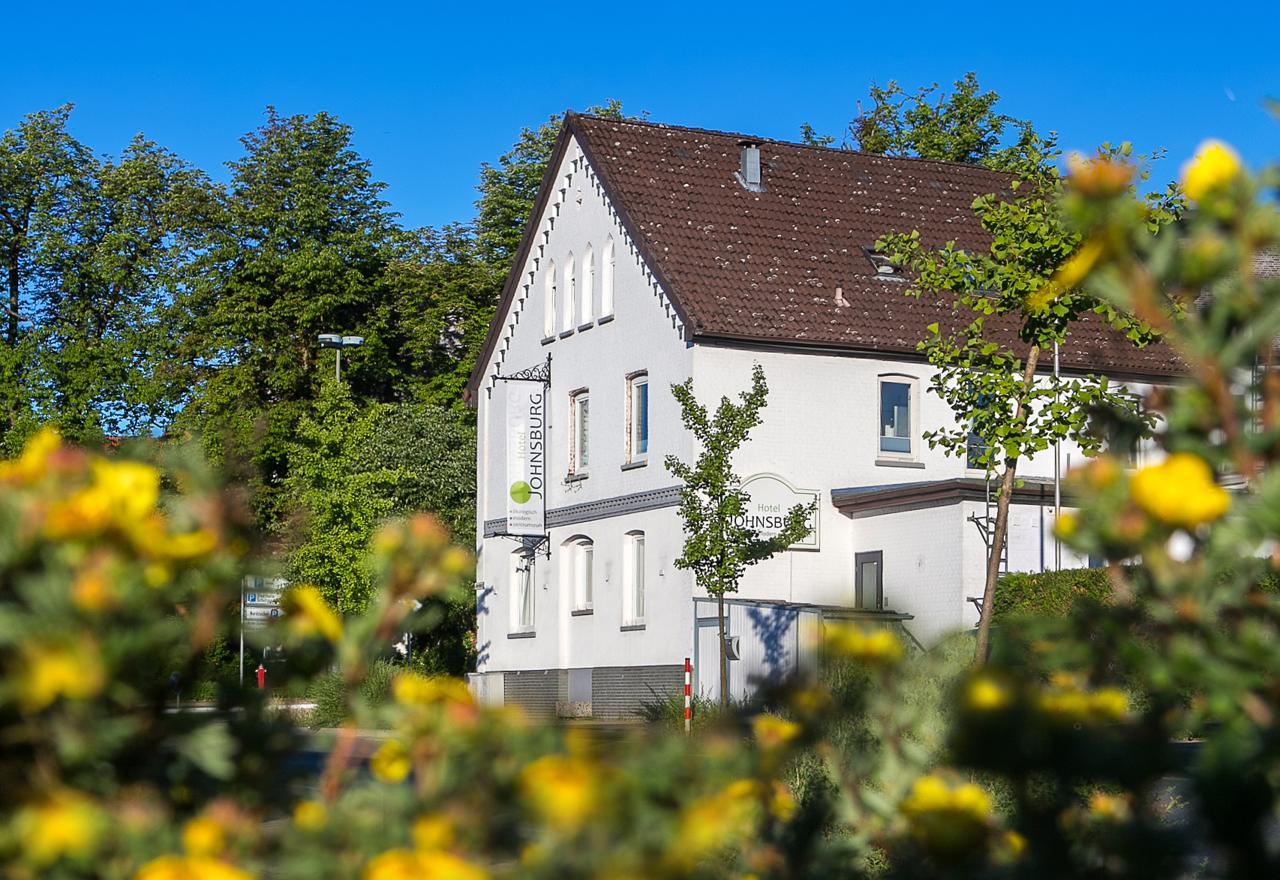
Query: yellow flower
(432, 831)
(783, 803)
(132, 487)
(773, 732)
(1010, 846)
(187, 546)
(877, 646)
(562, 790)
(717, 821)
(1099, 175)
(1180, 491)
(949, 821)
(309, 614)
(1108, 807)
(391, 762)
(310, 815)
(403, 864)
(189, 868)
(91, 590)
(984, 693)
(53, 669)
(414, 689)
(1066, 525)
(1109, 704)
(1068, 276)
(65, 824)
(203, 836)
(1214, 165)
(32, 464)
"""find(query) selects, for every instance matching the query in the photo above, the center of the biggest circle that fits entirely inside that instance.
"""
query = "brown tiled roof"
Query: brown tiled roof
(764, 267)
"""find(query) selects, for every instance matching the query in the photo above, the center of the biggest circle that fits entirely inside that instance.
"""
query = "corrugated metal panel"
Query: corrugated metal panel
(767, 644)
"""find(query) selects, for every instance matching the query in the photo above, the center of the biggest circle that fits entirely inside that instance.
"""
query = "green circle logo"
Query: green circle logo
(521, 492)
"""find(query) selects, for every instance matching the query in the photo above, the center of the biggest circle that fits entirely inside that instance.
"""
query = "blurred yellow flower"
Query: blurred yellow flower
(562, 790)
(773, 732)
(1066, 525)
(187, 545)
(403, 864)
(876, 646)
(1108, 807)
(1180, 491)
(132, 487)
(1214, 165)
(66, 823)
(415, 689)
(48, 670)
(711, 823)
(783, 803)
(1065, 699)
(91, 591)
(310, 815)
(1109, 704)
(985, 693)
(32, 464)
(1068, 276)
(949, 821)
(203, 836)
(310, 615)
(432, 831)
(189, 868)
(1099, 175)
(391, 762)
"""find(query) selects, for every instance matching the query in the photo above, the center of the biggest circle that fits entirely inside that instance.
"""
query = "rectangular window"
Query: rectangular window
(638, 417)
(869, 580)
(580, 438)
(633, 612)
(583, 562)
(895, 417)
(522, 592)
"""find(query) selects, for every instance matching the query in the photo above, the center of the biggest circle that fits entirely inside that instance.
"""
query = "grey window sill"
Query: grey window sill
(632, 465)
(582, 612)
(604, 319)
(631, 627)
(528, 634)
(575, 478)
(565, 334)
(899, 462)
(586, 326)
(547, 340)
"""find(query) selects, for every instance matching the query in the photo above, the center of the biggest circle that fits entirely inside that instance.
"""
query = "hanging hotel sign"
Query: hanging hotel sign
(772, 498)
(526, 457)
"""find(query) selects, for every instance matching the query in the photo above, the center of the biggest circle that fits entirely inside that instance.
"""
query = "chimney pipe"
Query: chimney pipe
(749, 172)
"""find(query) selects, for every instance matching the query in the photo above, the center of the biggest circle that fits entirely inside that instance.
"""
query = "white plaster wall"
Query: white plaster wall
(644, 334)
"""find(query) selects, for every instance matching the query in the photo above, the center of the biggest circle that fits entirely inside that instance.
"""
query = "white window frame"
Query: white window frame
(634, 381)
(577, 572)
(634, 579)
(523, 592)
(913, 417)
(586, 299)
(607, 279)
(549, 300)
(579, 464)
(570, 305)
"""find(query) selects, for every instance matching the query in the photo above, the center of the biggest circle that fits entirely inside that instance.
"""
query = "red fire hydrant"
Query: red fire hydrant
(262, 676)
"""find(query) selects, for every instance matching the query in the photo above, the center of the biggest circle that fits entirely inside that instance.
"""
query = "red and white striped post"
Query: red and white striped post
(688, 695)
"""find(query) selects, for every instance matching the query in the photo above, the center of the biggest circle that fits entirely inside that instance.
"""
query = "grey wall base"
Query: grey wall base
(602, 692)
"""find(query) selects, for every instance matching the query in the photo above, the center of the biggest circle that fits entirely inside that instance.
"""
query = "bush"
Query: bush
(333, 695)
(1050, 592)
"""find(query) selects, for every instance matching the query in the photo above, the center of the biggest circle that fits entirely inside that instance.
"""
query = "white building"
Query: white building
(656, 254)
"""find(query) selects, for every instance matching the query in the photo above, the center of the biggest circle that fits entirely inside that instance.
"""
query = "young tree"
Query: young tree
(1023, 284)
(717, 546)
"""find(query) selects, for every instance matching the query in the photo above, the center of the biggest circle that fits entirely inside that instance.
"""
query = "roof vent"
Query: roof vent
(749, 173)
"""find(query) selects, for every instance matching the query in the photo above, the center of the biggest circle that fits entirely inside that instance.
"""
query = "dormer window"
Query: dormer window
(886, 269)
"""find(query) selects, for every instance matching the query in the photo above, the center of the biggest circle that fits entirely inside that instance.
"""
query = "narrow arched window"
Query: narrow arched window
(587, 296)
(570, 295)
(633, 579)
(522, 591)
(606, 279)
(578, 570)
(549, 301)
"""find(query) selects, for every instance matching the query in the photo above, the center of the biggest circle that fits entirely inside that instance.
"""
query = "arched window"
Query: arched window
(570, 295)
(606, 279)
(522, 591)
(577, 570)
(587, 297)
(549, 301)
(633, 560)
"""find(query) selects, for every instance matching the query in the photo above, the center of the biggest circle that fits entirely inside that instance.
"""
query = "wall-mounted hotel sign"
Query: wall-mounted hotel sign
(526, 458)
(772, 498)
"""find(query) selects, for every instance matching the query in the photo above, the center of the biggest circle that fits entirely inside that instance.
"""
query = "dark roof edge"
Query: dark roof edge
(517, 266)
(1045, 367)
(862, 501)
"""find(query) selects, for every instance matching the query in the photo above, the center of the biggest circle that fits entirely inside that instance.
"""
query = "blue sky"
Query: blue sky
(432, 91)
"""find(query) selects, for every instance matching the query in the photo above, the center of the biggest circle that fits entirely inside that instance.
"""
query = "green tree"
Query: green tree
(1026, 279)
(718, 547)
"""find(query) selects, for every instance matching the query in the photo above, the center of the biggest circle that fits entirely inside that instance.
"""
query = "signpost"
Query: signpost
(259, 605)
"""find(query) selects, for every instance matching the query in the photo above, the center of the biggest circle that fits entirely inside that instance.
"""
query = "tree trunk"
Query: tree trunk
(724, 655)
(1001, 527)
(11, 333)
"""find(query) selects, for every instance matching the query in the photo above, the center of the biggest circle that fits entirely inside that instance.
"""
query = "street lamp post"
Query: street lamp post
(338, 342)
